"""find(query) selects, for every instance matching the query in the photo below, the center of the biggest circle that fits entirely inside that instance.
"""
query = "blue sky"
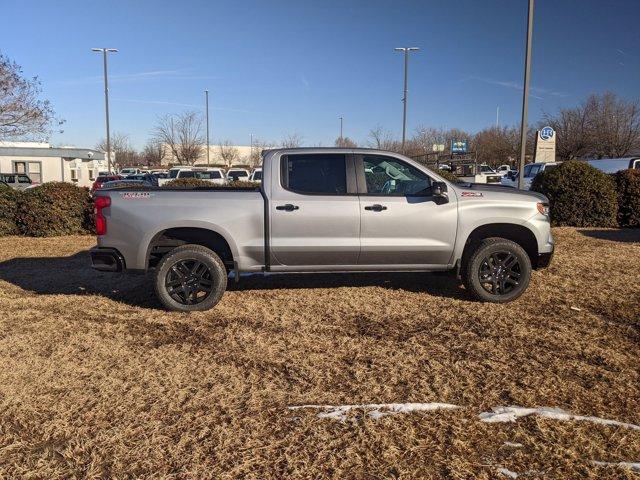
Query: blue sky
(279, 67)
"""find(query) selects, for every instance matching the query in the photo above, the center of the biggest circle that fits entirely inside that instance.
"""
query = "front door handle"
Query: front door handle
(287, 208)
(376, 208)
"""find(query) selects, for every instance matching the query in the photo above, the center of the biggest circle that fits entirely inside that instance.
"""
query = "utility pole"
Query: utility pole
(525, 96)
(498, 116)
(251, 148)
(206, 99)
(341, 142)
(106, 98)
(406, 51)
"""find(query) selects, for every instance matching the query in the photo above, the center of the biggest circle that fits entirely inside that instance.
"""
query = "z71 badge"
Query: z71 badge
(471, 194)
(135, 195)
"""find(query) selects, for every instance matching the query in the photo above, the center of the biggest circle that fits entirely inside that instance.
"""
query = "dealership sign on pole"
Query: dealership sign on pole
(459, 146)
(546, 145)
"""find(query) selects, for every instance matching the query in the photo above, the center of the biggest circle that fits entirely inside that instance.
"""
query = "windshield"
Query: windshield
(208, 175)
(257, 175)
(236, 174)
(173, 173)
(531, 170)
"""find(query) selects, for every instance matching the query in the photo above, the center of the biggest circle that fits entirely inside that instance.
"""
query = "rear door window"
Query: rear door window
(319, 174)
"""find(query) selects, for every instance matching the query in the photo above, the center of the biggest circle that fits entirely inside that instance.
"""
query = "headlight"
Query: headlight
(543, 208)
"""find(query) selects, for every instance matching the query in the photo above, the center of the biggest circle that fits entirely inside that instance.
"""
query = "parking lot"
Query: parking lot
(97, 380)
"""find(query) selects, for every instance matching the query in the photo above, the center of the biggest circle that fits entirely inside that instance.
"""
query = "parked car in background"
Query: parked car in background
(503, 170)
(256, 175)
(613, 165)
(235, 174)
(483, 174)
(147, 178)
(129, 171)
(209, 174)
(19, 181)
(213, 175)
(319, 210)
(102, 179)
(160, 175)
(530, 172)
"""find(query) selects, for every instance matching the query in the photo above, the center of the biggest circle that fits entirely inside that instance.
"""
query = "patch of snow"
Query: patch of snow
(513, 445)
(374, 410)
(511, 414)
(577, 309)
(508, 473)
(635, 466)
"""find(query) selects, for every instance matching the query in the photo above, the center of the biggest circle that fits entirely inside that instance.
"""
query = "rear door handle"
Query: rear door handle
(376, 208)
(287, 208)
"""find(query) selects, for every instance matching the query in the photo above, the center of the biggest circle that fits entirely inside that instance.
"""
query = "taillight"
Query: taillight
(101, 222)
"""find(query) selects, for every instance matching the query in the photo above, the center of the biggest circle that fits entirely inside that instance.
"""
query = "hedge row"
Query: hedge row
(53, 208)
(582, 196)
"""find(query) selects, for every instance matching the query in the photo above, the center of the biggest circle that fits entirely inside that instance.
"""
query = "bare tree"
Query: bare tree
(497, 146)
(22, 112)
(256, 151)
(615, 125)
(345, 142)
(153, 153)
(228, 152)
(293, 140)
(573, 132)
(182, 135)
(121, 148)
(383, 139)
(602, 126)
(427, 139)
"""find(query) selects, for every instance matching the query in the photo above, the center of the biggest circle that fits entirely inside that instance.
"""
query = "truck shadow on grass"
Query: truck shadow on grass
(73, 275)
(624, 235)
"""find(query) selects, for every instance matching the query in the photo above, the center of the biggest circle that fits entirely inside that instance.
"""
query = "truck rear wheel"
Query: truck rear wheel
(497, 271)
(190, 278)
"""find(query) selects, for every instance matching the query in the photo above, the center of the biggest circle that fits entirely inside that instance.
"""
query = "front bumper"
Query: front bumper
(544, 259)
(107, 259)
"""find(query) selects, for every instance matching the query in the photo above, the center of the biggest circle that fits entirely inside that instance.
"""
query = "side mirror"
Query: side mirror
(439, 191)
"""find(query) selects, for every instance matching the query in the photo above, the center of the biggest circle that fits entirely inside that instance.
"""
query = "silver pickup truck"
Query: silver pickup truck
(324, 210)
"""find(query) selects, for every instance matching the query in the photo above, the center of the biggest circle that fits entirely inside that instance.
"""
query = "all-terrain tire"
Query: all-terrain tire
(175, 282)
(500, 265)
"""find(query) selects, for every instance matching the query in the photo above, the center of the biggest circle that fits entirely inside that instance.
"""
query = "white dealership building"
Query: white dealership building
(44, 163)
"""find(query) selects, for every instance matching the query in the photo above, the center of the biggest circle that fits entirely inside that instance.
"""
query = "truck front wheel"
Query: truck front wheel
(190, 278)
(498, 271)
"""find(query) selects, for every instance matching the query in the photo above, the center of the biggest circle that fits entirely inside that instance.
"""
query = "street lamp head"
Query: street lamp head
(112, 50)
(104, 50)
(96, 49)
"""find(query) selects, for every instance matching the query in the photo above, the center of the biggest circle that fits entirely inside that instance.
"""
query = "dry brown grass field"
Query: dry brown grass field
(96, 381)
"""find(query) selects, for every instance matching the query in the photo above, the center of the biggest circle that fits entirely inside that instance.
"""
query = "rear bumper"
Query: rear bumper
(107, 259)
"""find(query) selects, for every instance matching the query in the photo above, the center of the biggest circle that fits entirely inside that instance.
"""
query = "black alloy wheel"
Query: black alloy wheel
(189, 281)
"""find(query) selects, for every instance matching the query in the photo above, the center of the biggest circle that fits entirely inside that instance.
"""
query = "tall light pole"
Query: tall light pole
(340, 131)
(525, 95)
(250, 148)
(206, 101)
(498, 116)
(406, 51)
(106, 98)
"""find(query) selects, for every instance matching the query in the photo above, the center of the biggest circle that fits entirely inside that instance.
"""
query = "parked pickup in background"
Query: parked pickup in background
(324, 210)
(530, 172)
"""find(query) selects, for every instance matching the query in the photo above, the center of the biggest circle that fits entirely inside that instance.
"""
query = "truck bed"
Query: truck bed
(138, 215)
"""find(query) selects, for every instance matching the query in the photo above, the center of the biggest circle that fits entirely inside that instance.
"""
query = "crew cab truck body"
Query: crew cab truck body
(324, 210)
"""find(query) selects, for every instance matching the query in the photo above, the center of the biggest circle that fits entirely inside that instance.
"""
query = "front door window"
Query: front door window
(391, 177)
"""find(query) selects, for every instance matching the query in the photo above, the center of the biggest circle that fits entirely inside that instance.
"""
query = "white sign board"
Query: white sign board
(546, 145)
